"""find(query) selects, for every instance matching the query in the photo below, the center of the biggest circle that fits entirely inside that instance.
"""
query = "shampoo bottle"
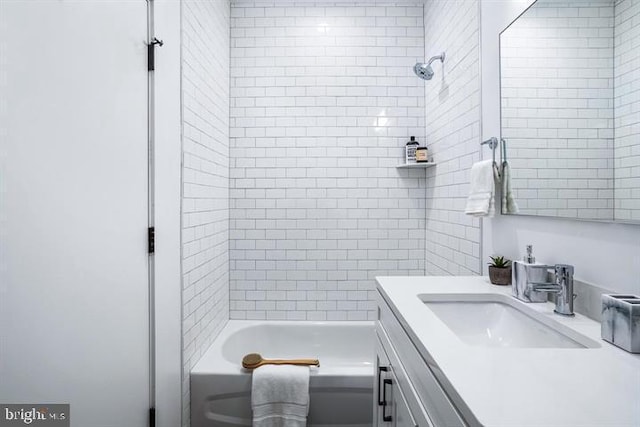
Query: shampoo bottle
(410, 151)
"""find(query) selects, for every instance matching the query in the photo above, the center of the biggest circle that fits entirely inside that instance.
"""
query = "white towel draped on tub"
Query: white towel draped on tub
(280, 396)
(481, 201)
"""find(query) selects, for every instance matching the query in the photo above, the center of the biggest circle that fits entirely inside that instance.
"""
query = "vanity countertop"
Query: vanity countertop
(519, 387)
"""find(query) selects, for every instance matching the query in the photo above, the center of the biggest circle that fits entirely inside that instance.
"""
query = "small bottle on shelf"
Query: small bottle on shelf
(421, 155)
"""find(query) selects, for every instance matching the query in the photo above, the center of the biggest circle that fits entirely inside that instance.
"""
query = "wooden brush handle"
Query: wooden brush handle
(304, 362)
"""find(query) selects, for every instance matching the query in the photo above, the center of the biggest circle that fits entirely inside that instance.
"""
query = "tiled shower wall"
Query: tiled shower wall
(627, 109)
(323, 98)
(205, 178)
(453, 135)
(557, 108)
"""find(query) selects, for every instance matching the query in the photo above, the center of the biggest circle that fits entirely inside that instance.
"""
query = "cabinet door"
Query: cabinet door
(382, 374)
(417, 380)
(401, 413)
(390, 406)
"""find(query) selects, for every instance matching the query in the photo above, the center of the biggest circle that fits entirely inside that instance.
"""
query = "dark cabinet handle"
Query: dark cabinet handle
(385, 417)
(381, 369)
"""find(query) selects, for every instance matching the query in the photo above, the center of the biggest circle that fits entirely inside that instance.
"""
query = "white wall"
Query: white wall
(323, 100)
(453, 136)
(205, 179)
(605, 254)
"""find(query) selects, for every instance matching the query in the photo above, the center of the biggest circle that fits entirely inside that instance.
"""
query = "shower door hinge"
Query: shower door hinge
(151, 53)
(152, 417)
(151, 240)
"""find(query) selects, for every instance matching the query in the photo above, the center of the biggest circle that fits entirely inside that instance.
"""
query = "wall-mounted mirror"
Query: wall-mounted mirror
(570, 108)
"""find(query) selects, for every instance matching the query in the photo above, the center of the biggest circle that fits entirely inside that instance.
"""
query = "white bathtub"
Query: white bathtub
(340, 389)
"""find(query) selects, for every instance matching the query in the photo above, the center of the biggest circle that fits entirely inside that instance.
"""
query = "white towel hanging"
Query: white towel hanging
(481, 201)
(509, 205)
(280, 396)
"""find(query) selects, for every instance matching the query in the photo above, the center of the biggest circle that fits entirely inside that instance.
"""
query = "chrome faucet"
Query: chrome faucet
(562, 286)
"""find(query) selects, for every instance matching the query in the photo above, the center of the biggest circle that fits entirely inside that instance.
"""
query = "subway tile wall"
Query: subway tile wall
(627, 109)
(453, 136)
(323, 99)
(557, 108)
(205, 178)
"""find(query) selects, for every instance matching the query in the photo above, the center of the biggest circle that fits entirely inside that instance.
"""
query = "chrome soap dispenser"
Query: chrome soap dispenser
(526, 271)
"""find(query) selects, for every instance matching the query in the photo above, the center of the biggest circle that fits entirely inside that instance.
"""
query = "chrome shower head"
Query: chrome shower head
(424, 70)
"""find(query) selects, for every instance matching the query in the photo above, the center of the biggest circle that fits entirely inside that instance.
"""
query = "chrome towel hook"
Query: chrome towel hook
(493, 143)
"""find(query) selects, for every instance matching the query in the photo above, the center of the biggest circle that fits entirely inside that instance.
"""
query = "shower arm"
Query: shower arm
(433, 58)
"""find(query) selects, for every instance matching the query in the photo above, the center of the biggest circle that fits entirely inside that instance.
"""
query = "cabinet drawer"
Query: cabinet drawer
(439, 408)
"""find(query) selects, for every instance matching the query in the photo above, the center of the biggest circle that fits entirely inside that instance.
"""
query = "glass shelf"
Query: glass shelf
(416, 165)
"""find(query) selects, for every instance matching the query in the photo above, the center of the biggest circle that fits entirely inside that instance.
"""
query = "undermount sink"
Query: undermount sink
(498, 321)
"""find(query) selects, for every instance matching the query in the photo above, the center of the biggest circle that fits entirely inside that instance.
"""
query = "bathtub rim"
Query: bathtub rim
(213, 361)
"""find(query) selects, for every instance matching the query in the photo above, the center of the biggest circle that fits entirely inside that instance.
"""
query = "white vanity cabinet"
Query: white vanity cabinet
(406, 393)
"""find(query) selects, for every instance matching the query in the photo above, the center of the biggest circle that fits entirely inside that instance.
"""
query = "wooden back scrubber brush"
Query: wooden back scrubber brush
(255, 360)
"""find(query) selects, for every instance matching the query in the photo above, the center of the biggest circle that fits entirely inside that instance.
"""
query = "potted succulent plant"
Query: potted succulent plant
(500, 270)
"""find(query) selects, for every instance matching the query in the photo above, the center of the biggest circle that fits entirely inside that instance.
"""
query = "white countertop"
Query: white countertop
(520, 387)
